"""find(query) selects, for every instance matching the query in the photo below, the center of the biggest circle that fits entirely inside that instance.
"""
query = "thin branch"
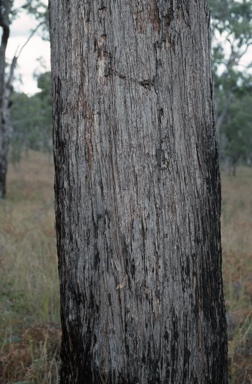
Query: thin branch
(29, 38)
(17, 55)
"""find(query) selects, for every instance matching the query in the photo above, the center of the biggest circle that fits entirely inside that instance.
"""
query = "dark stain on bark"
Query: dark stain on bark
(72, 341)
(101, 46)
(140, 24)
(144, 13)
(154, 377)
(132, 268)
(101, 12)
(95, 43)
(160, 115)
(183, 13)
(96, 260)
(187, 353)
(89, 151)
(174, 346)
(168, 18)
(185, 274)
(154, 16)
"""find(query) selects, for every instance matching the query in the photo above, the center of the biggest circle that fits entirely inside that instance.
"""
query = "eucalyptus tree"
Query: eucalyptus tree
(137, 192)
(7, 13)
(5, 10)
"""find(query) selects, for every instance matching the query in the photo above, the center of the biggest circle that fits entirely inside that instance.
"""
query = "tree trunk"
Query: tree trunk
(137, 193)
(5, 7)
(5, 133)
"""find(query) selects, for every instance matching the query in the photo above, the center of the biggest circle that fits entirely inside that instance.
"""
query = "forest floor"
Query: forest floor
(29, 294)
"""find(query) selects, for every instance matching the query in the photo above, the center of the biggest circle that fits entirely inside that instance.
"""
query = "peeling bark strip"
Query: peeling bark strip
(137, 193)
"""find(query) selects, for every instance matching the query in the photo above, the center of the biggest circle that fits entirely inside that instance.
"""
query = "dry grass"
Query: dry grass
(237, 271)
(29, 299)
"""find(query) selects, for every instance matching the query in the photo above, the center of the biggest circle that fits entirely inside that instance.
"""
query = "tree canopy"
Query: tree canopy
(32, 119)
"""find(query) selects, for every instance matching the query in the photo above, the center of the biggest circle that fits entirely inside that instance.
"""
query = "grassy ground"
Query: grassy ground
(237, 271)
(29, 298)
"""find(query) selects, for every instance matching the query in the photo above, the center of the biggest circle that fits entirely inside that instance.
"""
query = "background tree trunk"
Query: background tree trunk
(137, 193)
(5, 7)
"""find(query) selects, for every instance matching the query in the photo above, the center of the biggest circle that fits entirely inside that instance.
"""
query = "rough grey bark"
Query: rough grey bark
(137, 193)
(5, 7)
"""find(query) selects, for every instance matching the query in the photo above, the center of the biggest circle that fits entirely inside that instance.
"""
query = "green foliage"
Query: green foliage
(233, 18)
(39, 10)
(232, 35)
(32, 120)
(237, 131)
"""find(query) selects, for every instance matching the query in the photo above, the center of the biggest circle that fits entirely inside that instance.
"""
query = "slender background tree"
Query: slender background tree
(5, 10)
(7, 13)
